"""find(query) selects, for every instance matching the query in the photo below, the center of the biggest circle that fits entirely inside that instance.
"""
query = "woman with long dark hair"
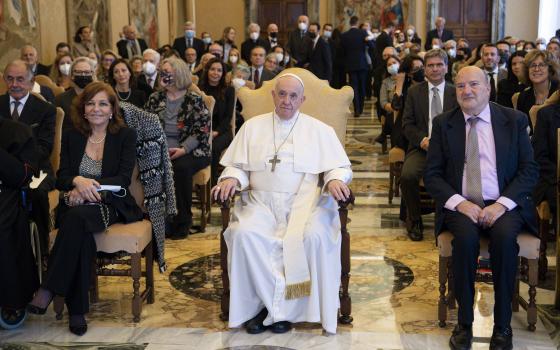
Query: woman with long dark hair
(123, 81)
(513, 83)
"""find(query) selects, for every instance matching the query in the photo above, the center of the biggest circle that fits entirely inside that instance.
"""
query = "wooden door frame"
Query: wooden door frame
(252, 6)
(498, 24)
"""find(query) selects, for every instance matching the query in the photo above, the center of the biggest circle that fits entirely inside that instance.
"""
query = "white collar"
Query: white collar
(22, 100)
(284, 122)
(440, 87)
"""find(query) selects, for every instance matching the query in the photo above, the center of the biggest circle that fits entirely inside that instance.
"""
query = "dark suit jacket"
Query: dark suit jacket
(64, 101)
(354, 45)
(383, 41)
(415, 121)
(142, 84)
(545, 147)
(47, 93)
(119, 157)
(320, 60)
(123, 52)
(516, 169)
(41, 69)
(298, 47)
(445, 35)
(180, 45)
(265, 75)
(249, 44)
(41, 117)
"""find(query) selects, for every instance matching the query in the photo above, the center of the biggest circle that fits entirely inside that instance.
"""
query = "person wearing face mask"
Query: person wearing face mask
(320, 61)
(233, 60)
(386, 92)
(438, 32)
(82, 73)
(189, 40)
(272, 38)
(299, 42)
(503, 52)
(60, 72)
(228, 42)
(253, 40)
(541, 44)
(148, 81)
(412, 36)
(450, 47)
(284, 59)
(206, 39)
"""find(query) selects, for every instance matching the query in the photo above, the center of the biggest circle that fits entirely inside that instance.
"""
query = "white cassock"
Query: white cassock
(265, 252)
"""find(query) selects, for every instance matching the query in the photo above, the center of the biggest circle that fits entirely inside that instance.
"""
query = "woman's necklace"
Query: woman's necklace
(127, 96)
(541, 100)
(275, 160)
(96, 142)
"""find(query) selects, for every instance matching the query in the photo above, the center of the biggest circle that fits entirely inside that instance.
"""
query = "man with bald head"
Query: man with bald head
(299, 42)
(438, 32)
(31, 57)
(130, 45)
(284, 236)
(481, 173)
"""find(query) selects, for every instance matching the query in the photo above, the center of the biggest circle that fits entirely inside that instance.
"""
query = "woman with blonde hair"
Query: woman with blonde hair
(61, 71)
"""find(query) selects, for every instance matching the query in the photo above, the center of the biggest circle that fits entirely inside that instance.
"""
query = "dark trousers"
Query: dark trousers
(70, 262)
(503, 250)
(358, 83)
(413, 168)
(219, 144)
(338, 77)
(369, 80)
(184, 169)
(40, 211)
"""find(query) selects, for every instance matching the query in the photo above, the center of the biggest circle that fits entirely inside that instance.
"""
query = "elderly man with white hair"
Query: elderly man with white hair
(284, 235)
(148, 81)
(130, 45)
(253, 39)
(189, 40)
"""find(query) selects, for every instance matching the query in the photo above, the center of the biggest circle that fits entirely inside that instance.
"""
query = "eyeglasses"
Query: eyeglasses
(82, 73)
(540, 66)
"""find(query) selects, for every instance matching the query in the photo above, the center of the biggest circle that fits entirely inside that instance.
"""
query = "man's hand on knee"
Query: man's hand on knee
(338, 189)
(225, 189)
(488, 216)
(470, 210)
(425, 143)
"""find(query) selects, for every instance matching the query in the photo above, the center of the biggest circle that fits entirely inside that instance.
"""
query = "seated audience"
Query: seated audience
(148, 81)
(60, 72)
(189, 40)
(190, 58)
(107, 59)
(490, 63)
(29, 54)
(227, 42)
(271, 63)
(259, 73)
(253, 40)
(136, 65)
(529, 46)
(216, 49)
(199, 70)
(186, 122)
(386, 92)
(234, 59)
(485, 191)
(123, 81)
(213, 83)
(206, 39)
(284, 59)
(85, 164)
(130, 45)
(84, 43)
(513, 83)
(554, 48)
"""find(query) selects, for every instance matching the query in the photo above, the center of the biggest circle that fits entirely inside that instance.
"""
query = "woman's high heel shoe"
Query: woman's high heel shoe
(78, 324)
(34, 309)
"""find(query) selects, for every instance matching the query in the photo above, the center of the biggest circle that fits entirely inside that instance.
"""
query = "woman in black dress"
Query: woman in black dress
(122, 79)
(512, 84)
(99, 150)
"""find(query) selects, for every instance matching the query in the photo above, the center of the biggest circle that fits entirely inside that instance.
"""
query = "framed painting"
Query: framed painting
(19, 25)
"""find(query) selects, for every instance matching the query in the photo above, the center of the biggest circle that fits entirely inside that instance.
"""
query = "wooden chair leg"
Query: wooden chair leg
(224, 303)
(544, 227)
(345, 300)
(58, 306)
(532, 305)
(136, 273)
(442, 302)
(391, 182)
(202, 197)
(450, 285)
(149, 261)
(516, 298)
(208, 202)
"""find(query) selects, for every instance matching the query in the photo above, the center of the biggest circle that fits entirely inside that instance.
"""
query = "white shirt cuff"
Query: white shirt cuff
(506, 202)
(239, 174)
(342, 174)
(454, 201)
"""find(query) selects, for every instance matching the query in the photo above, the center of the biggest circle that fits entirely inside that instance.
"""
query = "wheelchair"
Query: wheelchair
(10, 318)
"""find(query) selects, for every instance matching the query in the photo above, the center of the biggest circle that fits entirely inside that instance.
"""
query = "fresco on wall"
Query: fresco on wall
(93, 13)
(377, 12)
(19, 25)
(143, 15)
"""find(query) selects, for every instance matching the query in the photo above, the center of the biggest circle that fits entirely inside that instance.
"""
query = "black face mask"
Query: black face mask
(273, 35)
(312, 35)
(503, 57)
(418, 76)
(460, 57)
(82, 80)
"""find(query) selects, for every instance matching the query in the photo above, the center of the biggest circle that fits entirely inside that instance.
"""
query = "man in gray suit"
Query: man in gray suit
(258, 72)
(423, 103)
(490, 60)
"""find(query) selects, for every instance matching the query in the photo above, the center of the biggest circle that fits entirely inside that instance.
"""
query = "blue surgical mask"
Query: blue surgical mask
(207, 40)
(189, 34)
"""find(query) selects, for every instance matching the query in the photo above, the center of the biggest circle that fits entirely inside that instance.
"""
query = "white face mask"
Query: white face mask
(149, 68)
(407, 51)
(375, 35)
(410, 32)
(286, 59)
(393, 69)
(435, 46)
(238, 83)
(93, 63)
(302, 26)
(254, 36)
(541, 47)
(327, 34)
(452, 53)
(233, 59)
(65, 69)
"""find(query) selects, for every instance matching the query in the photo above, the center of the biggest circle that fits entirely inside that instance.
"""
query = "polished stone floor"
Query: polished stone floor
(393, 286)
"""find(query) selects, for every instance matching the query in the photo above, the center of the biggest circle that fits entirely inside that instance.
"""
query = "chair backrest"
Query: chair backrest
(136, 188)
(558, 177)
(194, 79)
(554, 98)
(43, 80)
(3, 86)
(331, 106)
(55, 153)
(514, 99)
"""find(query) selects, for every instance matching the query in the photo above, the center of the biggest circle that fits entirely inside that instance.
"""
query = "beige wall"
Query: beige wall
(522, 18)
(52, 19)
(118, 15)
(214, 16)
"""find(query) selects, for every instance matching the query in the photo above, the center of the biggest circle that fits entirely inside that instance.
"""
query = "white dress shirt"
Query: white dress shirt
(22, 102)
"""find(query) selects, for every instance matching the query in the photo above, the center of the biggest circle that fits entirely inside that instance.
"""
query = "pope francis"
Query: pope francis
(284, 235)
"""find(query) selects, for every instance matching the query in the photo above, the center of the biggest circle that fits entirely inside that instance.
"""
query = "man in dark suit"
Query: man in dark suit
(424, 101)
(19, 104)
(439, 32)
(148, 81)
(131, 45)
(320, 61)
(490, 60)
(354, 45)
(385, 39)
(30, 56)
(481, 172)
(254, 40)
(189, 40)
(298, 42)
(272, 39)
(258, 72)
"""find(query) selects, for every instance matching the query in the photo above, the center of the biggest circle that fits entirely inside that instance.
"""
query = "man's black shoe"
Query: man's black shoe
(415, 232)
(461, 338)
(382, 138)
(281, 327)
(501, 338)
(255, 325)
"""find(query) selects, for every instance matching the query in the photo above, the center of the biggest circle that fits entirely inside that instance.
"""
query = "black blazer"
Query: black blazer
(545, 147)
(123, 52)
(526, 99)
(445, 35)
(47, 93)
(516, 169)
(415, 120)
(320, 60)
(180, 45)
(265, 75)
(249, 44)
(41, 69)
(383, 40)
(119, 157)
(298, 47)
(506, 89)
(41, 117)
(142, 84)
(354, 45)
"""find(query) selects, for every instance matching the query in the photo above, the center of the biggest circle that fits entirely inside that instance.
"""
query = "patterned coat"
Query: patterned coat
(193, 119)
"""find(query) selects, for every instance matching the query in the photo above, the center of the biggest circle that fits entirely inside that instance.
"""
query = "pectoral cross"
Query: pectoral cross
(274, 161)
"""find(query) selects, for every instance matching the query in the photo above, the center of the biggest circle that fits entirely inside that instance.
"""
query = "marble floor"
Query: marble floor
(393, 287)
